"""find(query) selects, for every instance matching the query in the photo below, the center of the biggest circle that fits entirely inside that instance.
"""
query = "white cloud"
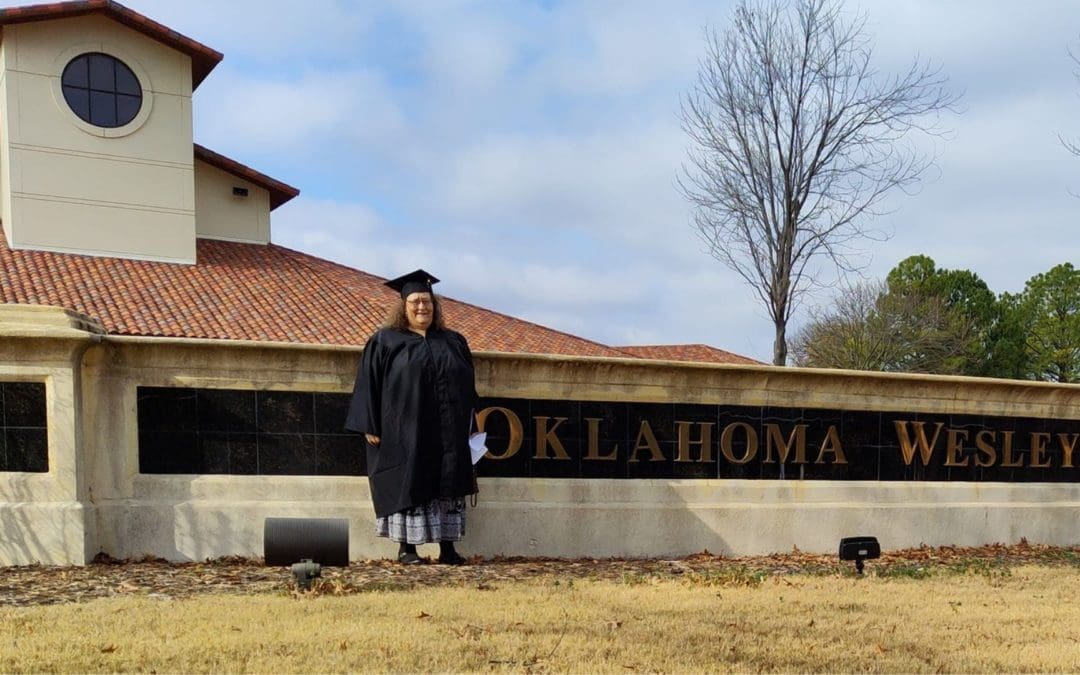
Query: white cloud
(473, 57)
(292, 115)
(623, 48)
(614, 184)
(347, 233)
(268, 31)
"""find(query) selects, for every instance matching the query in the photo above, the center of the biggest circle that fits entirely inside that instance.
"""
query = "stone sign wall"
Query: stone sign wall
(244, 432)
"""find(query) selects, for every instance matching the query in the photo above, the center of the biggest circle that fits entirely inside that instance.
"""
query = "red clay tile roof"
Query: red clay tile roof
(279, 192)
(249, 292)
(203, 58)
(696, 353)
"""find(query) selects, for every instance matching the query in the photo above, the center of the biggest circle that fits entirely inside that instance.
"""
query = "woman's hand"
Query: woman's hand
(374, 440)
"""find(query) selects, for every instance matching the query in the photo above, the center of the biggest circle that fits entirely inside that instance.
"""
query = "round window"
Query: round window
(101, 90)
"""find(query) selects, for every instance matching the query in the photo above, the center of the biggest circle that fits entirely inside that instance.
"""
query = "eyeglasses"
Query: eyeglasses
(419, 303)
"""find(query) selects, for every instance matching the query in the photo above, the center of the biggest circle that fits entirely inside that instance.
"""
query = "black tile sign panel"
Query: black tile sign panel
(238, 432)
(24, 433)
(246, 432)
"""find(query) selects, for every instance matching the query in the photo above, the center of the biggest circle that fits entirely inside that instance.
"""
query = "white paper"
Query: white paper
(477, 447)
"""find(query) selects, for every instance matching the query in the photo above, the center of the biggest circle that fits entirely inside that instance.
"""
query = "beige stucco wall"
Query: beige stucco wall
(42, 515)
(220, 214)
(102, 503)
(195, 517)
(5, 153)
(70, 186)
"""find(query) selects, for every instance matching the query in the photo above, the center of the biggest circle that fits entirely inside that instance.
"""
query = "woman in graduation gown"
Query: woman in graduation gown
(414, 402)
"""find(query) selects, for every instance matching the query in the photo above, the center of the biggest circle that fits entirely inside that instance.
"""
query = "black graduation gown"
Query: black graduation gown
(417, 395)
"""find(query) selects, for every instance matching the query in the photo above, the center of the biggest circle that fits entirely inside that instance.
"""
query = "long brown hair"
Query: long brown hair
(396, 317)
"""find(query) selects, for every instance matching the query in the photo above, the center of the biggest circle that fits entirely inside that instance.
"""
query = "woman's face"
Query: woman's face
(419, 310)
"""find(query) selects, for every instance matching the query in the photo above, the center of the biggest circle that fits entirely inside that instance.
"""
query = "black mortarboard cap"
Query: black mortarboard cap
(413, 282)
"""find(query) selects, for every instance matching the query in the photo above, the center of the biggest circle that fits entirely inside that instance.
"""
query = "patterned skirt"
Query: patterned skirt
(438, 520)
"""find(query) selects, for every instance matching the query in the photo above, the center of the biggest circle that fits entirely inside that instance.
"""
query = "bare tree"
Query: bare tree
(843, 335)
(795, 139)
(1070, 145)
(869, 327)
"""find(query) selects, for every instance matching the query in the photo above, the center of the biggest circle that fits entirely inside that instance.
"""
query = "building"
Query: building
(169, 377)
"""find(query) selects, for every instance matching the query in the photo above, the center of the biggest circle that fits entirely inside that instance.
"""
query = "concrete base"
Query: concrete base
(194, 518)
(49, 533)
(673, 518)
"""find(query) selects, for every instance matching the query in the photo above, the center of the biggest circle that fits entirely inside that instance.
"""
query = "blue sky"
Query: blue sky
(526, 152)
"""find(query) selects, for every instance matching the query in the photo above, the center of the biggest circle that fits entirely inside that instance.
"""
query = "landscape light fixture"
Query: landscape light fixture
(306, 545)
(859, 549)
(305, 572)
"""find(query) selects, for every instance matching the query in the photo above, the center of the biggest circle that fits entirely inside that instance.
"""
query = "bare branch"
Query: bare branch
(867, 327)
(795, 140)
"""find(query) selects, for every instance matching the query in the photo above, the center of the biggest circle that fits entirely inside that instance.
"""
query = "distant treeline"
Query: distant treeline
(925, 319)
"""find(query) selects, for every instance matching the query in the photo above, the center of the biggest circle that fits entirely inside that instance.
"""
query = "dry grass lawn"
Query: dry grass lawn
(1025, 618)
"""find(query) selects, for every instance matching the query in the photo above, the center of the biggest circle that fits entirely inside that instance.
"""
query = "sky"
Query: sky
(526, 152)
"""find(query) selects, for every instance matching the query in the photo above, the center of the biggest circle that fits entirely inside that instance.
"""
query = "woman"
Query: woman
(414, 400)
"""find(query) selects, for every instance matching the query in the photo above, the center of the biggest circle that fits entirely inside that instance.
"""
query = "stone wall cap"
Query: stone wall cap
(771, 371)
(46, 321)
(232, 344)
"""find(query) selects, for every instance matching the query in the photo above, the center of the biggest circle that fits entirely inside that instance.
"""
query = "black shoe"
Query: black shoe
(451, 558)
(410, 558)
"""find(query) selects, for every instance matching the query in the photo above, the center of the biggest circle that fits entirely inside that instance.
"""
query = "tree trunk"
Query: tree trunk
(779, 349)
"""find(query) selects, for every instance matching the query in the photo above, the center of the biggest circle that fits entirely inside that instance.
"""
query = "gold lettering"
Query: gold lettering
(516, 431)
(797, 438)
(728, 435)
(683, 429)
(1039, 439)
(954, 447)
(646, 432)
(546, 437)
(1068, 444)
(1006, 451)
(985, 448)
(593, 451)
(907, 447)
(831, 444)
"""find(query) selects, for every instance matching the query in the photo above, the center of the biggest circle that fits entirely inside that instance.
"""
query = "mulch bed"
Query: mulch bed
(106, 577)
